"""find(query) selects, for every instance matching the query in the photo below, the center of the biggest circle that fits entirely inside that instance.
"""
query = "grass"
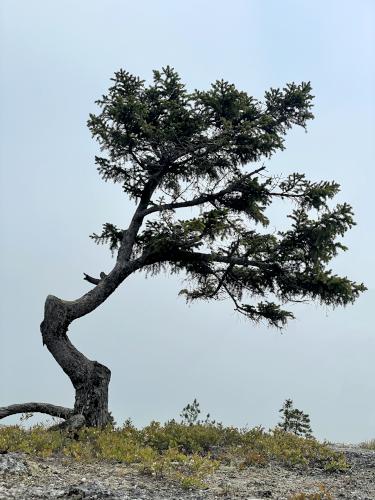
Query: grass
(182, 453)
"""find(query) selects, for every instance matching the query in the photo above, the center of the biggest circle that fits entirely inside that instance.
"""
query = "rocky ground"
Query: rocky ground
(26, 477)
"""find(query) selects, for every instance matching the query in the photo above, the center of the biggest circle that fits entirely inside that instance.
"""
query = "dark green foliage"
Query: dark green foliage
(171, 150)
(110, 235)
(190, 415)
(294, 420)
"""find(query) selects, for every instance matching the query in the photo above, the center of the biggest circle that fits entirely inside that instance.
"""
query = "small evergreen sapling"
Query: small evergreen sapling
(295, 421)
(190, 414)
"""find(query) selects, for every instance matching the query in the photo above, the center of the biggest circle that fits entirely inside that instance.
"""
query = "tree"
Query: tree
(172, 150)
(295, 421)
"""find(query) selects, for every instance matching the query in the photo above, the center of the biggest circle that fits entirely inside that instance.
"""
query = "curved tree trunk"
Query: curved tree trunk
(89, 378)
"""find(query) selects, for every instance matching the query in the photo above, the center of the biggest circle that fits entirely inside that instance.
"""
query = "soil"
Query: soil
(26, 477)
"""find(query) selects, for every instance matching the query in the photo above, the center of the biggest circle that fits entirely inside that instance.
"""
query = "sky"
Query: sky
(56, 59)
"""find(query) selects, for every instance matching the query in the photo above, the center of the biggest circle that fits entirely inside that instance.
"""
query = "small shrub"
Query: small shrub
(322, 494)
(337, 465)
(290, 450)
(251, 457)
(197, 438)
(188, 470)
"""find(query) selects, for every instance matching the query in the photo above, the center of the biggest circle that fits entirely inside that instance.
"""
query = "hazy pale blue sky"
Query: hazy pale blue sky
(56, 59)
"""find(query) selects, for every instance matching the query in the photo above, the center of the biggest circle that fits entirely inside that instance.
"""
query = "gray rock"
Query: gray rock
(11, 463)
(92, 491)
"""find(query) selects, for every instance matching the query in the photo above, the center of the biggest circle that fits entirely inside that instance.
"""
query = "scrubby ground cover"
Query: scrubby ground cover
(369, 445)
(182, 453)
(179, 462)
(190, 459)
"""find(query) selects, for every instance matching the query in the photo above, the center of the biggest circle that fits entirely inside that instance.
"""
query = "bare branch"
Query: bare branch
(53, 410)
(90, 279)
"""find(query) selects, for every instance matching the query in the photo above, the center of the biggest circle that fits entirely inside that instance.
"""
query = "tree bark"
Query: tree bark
(89, 378)
(53, 410)
(91, 399)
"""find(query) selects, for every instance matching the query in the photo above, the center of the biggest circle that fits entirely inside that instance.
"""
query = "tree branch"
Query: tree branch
(221, 280)
(90, 279)
(287, 195)
(212, 257)
(177, 255)
(204, 198)
(238, 306)
(135, 158)
(53, 410)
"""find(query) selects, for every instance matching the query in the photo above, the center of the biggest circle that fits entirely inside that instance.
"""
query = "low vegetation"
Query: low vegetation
(186, 452)
(369, 445)
(322, 494)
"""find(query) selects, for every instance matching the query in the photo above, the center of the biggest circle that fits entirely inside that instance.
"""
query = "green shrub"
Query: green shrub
(130, 445)
(189, 438)
(290, 450)
(126, 444)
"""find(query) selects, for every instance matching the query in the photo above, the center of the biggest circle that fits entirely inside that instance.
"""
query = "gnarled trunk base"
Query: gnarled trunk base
(92, 396)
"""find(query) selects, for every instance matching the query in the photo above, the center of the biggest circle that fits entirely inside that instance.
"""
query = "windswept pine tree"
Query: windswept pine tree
(171, 150)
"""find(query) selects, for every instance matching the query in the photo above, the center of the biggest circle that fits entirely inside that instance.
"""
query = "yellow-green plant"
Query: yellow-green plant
(131, 445)
(322, 494)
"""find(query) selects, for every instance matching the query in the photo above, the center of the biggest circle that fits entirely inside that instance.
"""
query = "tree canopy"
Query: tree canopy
(171, 149)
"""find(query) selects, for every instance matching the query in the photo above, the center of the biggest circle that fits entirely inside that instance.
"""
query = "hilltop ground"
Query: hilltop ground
(295, 468)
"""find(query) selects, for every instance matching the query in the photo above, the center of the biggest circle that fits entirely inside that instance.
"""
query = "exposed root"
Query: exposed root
(53, 410)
